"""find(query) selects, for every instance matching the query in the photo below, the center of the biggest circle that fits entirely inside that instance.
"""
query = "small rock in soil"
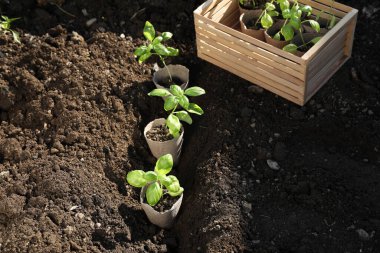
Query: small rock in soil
(363, 235)
(4, 174)
(273, 165)
(247, 207)
(280, 151)
(255, 89)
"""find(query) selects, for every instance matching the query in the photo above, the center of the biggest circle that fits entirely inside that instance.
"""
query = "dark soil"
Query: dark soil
(159, 133)
(165, 203)
(251, 24)
(73, 106)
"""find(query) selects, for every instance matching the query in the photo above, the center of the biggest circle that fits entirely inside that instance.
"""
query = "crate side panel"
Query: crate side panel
(232, 69)
(248, 46)
(242, 66)
(277, 68)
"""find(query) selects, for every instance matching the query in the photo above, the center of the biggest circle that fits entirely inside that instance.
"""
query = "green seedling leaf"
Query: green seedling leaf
(166, 35)
(140, 51)
(287, 31)
(194, 91)
(136, 178)
(164, 164)
(284, 6)
(161, 49)
(286, 14)
(266, 21)
(184, 116)
(295, 22)
(172, 51)
(153, 193)
(332, 22)
(170, 103)
(157, 40)
(150, 176)
(315, 40)
(307, 9)
(315, 25)
(173, 187)
(270, 7)
(183, 101)
(277, 36)
(273, 13)
(194, 108)
(145, 57)
(176, 90)
(175, 194)
(174, 125)
(159, 93)
(149, 31)
(291, 48)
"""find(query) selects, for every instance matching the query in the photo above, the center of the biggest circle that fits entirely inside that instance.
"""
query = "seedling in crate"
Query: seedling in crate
(293, 16)
(265, 18)
(175, 96)
(5, 26)
(155, 46)
(158, 182)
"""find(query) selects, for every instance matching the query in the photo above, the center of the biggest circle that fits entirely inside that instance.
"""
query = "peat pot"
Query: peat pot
(178, 72)
(160, 148)
(307, 37)
(251, 16)
(162, 219)
(275, 28)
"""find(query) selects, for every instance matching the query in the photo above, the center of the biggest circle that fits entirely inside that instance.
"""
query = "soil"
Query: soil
(166, 203)
(251, 24)
(73, 106)
(159, 133)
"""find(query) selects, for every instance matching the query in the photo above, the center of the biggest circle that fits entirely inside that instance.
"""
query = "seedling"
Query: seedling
(292, 18)
(265, 18)
(158, 182)
(176, 96)
(5, 26)
(155, 46)
(331, 22)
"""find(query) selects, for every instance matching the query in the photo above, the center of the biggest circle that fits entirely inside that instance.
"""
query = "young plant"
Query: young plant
(176, 96)
(5, 26)
(292, 48)
(155, 46)
(331, 22)
(265, 18)
(293, 19)
(158, 182)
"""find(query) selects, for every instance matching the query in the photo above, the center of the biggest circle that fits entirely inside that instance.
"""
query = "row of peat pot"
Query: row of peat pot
(159, 148)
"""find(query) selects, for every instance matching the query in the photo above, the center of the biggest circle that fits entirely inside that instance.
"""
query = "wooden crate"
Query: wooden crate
(220, 42)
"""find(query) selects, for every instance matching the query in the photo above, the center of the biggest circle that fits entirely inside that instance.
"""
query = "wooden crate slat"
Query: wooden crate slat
(316, 84)
(205, 7)
(248, 46)
(231, 68)
(321, 7)
(254, 41)
(214, 11)
(223, 12)
(256, 59)
(350, 36)
(232, 19)
(336, 5)
(258, 73)
(326, 54)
